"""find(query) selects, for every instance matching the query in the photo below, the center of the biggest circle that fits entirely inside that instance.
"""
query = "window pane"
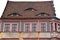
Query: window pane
(33, 27)
(27, 27)
(43, 27)
(7, 27)
(58, 28)
(14, 27)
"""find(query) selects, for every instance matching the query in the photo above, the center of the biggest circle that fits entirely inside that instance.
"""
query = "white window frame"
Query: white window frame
(13, 27)
(33, 27)
(25, 27)
(46, 26)
(5, 27)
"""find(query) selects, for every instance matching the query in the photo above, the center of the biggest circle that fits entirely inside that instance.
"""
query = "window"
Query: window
(58, 28)
(33, 27)
(43, 27)
(55, 26)
(7, 27)
(27, 27)
(14, 27)
(14, 14)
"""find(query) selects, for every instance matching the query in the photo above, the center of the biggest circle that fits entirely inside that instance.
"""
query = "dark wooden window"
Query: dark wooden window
(55, 26)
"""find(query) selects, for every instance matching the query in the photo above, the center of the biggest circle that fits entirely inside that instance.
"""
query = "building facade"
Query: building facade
(29, 21)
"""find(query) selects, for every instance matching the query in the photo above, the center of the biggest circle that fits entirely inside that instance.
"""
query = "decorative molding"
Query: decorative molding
(9, 35)
(30, 35)
(44, 35)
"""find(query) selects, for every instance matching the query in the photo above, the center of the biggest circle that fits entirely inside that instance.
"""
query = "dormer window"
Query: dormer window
(30, 9)
(14, 14)
(42, 14)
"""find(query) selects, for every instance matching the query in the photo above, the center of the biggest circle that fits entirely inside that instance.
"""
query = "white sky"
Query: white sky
(56, 5)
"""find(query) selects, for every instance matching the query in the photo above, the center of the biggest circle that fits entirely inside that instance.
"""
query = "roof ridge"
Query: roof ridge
(29, 1)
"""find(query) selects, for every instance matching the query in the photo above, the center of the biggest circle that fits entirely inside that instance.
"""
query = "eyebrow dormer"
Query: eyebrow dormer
(42, 14)
(14, 14)
(30, 9)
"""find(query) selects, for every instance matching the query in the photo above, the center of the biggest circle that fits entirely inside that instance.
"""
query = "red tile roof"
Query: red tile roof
(28, 9)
